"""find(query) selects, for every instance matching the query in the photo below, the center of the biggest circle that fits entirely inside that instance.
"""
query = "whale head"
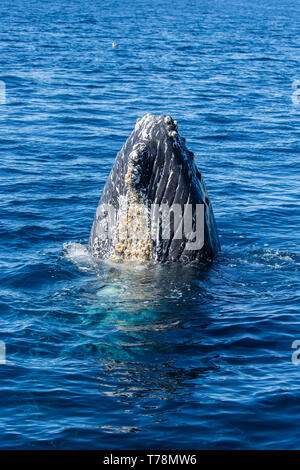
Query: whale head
(154, 205)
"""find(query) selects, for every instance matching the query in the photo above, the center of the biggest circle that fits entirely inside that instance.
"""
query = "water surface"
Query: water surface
(101, 356)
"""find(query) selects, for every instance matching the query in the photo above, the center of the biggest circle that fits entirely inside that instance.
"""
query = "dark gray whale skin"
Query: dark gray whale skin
(165, 172)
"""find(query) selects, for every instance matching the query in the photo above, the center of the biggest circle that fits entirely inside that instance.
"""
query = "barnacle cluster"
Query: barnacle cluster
(133, 234)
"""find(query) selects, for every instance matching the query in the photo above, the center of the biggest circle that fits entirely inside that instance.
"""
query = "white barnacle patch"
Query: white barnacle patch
(138, 149)
(133, 171)
(173, 134)
(168, 120)
(144, 126)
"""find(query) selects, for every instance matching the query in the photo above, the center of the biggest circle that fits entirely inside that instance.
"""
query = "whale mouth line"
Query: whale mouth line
(154, 204)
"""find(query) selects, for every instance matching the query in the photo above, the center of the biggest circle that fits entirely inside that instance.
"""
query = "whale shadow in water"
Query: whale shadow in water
(154, 317)
(147, 330)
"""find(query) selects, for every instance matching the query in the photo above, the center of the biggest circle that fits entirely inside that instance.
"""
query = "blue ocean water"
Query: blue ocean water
(100, 356)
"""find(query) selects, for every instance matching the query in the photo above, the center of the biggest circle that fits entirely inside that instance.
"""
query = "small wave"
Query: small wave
(267, 257)
(78, 254)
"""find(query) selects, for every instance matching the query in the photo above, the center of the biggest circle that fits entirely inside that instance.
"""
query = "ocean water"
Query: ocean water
(168, 357)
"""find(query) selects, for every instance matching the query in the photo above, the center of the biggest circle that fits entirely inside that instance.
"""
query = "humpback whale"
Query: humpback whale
(154, 205)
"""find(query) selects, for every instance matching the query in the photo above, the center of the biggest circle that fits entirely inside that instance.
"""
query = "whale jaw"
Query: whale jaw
(154, 205)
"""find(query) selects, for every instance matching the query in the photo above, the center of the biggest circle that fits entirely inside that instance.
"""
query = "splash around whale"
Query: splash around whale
(154, 205)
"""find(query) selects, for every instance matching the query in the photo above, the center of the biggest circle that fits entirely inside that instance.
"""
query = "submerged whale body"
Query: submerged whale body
(154, 205)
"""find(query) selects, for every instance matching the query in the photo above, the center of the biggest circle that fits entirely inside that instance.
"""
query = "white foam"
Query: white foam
(79, 255)
(110, 291)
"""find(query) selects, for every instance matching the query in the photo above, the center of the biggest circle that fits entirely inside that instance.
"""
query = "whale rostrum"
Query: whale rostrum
(154, 205)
